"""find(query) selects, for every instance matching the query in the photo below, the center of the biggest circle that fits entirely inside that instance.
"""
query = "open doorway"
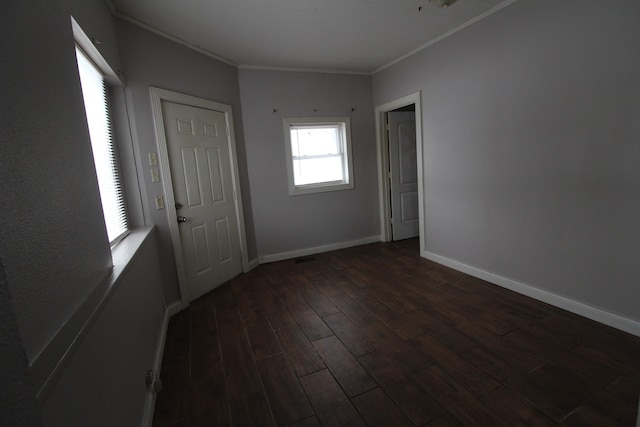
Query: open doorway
(399, 134)
(403, 172)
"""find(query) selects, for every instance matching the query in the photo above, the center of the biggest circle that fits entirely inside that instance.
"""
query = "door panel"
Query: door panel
(200, 162)
(404, 174)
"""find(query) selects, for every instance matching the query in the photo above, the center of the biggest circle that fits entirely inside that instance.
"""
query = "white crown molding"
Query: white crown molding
(304, 70)
(171, 37)
(445, 35)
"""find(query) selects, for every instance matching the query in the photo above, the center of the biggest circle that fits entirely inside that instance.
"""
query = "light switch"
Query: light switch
(153, 159)
(159, 202)
(155, 176)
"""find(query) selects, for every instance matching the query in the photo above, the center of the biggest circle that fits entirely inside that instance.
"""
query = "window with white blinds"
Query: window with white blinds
(96, 104)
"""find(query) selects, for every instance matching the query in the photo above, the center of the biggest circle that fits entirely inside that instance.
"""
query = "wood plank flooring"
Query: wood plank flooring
(376, 335)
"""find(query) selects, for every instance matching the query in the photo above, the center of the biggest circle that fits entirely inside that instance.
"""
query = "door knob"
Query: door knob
(182, 219)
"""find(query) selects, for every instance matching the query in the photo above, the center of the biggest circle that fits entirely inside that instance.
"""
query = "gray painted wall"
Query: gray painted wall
(18, 405)
(103, 383)
(286, 223)
(52, 235)
(531, 129)
(53, 241)
(150, 60)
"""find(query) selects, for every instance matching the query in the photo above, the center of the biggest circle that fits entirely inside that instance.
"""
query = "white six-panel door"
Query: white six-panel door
(200, 162)
(404, 174)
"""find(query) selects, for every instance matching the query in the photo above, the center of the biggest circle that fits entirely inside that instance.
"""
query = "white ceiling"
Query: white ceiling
(359, 36)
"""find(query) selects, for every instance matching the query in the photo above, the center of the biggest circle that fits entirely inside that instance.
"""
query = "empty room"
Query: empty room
(320, 213)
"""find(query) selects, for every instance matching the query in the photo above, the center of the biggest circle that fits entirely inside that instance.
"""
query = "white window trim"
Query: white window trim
(347, 183)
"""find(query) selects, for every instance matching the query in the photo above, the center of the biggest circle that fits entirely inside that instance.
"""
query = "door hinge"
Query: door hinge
(235, 195)
(226, 130)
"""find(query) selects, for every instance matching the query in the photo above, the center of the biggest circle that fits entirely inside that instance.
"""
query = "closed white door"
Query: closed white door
(404, 174)
(198, 145)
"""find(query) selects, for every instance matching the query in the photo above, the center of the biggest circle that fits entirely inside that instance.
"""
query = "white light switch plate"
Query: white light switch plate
(159, 202)
(153, 159)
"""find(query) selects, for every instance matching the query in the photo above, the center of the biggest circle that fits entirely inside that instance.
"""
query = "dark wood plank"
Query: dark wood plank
(378, 410)
(417, 405)
(475, 380)
(350, 335)
(312, 326)
(345, 368)
(455, 398)
(240, 370)
(230, 326)
(287, 399)
(251, 410)
(353, 310)
(309, 422)
(300, 353)
(513, 408)
(329, 402)
(320, 303)
(551, 398)
(261, 337)
(208, 403)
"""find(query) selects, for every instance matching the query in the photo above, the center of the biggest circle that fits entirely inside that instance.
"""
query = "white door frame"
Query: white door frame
(157, 96)
(382, 139)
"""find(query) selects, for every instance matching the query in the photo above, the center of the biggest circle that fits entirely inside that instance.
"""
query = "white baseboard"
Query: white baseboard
(317, 250)
(610, 319)
(150, 403)
(254, 263)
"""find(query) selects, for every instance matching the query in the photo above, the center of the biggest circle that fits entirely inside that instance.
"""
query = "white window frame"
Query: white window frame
(344, 125)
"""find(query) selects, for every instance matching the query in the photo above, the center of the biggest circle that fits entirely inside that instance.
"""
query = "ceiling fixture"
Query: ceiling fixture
(443, 3)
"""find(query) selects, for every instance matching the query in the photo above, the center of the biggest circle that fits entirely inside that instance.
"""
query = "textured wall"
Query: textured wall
(532, 144)
(17, 398)
(287, 223)
(103, 383)
(150, 60)
(52, 234)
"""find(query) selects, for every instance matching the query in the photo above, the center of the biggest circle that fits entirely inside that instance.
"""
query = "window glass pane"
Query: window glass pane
(318, 170)
(315, 140)
(99, 123)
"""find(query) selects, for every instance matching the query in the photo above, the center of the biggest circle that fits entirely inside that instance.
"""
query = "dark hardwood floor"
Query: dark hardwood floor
(376, 335)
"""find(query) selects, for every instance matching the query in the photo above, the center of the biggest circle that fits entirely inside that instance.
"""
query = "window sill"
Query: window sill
(319, 188)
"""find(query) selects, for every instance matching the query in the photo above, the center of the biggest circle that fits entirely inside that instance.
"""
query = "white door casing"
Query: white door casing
(383, 166)
(404, 174)
(196, 149)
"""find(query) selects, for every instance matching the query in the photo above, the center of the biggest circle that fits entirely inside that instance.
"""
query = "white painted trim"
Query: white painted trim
(150, 402)
(344, 123)
(176, 308)
(383, 163)
(303, 70)
(254, 263)
(90, 50)
(173, 38)
(317, 250)
(614, 320)
(447, 34)
(157, 96)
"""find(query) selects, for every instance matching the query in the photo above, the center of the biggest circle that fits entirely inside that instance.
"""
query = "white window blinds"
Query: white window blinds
(96, 103)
